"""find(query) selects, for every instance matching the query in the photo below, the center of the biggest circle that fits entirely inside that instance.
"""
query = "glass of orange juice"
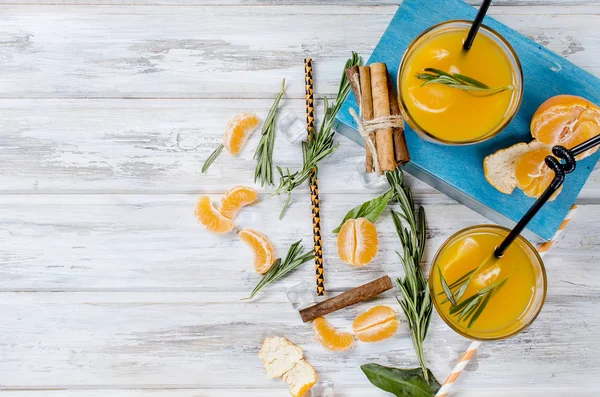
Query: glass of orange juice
(476, 93)
(500, 296)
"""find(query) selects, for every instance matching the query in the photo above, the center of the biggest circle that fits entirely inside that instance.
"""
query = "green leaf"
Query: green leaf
(439, 72)
(371, 209)
(470, 80)
(446, 288)
(479, 310)
(213, 156)
(401, 382)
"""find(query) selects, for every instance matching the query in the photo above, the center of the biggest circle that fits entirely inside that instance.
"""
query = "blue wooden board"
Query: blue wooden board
(458, 171)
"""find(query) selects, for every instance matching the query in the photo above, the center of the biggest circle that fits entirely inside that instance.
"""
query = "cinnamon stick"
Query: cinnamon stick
(357, 78)
(381, 108)
(348, 298)
(366, 103)
(400, 149)
(352, 74)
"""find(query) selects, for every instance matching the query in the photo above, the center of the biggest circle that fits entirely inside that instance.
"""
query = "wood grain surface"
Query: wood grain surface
(108, 284)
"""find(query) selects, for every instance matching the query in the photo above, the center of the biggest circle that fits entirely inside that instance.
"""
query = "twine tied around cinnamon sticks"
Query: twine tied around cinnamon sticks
(380, 122)
(366, 128)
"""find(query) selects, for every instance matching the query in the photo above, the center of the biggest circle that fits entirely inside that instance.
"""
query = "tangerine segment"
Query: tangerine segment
(236, 198)
(566, 120)
(357, 242)
(238, 130)
(377, 323)
(264, 252)
(330, 338)
(533, 175)
(210, 218)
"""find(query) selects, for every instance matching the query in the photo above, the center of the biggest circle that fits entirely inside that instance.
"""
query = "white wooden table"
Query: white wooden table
(108, 284)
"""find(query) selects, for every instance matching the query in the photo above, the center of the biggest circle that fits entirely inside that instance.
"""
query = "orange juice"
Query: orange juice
(452, 115)
(519, 277)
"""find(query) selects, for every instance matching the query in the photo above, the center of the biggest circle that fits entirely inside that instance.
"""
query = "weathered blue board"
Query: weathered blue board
(458, 171)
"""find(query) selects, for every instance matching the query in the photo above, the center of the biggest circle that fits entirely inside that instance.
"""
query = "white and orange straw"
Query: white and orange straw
(464, 359)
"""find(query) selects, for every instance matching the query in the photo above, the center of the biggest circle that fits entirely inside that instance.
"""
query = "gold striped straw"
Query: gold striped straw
(313, 181)
(464, 359)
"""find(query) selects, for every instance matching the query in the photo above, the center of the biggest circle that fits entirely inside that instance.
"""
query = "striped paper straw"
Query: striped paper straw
(462, 363)
(464, 359)
(543, 248)
(313, 181)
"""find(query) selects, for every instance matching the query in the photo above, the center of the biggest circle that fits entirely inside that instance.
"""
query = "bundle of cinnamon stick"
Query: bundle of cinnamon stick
(377, 99)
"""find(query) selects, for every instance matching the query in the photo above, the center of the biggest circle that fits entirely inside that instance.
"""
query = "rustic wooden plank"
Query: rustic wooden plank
(156, 146)
(366, 391)
(52, 340)
(221, 3)
(153, 243)
(71, 51)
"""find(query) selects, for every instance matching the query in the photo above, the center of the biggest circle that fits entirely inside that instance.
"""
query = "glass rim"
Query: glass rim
(505, 121)
(542, 272)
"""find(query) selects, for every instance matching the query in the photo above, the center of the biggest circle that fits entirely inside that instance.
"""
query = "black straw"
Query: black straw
(476, 24)
(560, 170)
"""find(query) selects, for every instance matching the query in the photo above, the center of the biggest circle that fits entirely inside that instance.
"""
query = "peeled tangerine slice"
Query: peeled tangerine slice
(236, 198)
(238, 130)
(467, 253)
(210, 218)
(431, 98)
(330, 338)
(264, 252)
(566, 120)
(533, 175)
(357, 242)
(377, 323)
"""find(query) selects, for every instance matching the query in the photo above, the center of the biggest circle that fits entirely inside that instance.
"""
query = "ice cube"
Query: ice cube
(371, 180)
(291, 126)
(323, 388)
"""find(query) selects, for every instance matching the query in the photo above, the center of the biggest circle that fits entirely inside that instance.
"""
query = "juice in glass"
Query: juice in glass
(518, 279)
(450, 115)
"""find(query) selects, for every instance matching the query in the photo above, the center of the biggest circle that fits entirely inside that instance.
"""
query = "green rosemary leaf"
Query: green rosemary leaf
(469, 308)
(371, 209)
(470, 80)
(460, 292)
(479, 310)
(469, 312)
(438, 72)
(463, 304)
(462, 278)
(213, 156)
(446, 288)
(264, 150)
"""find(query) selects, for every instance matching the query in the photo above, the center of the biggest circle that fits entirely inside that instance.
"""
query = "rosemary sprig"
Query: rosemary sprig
(213, 156)
(473, 306)
(460, 81)
(293, 259)
(320, 146)
(415, 301)
(264, 150)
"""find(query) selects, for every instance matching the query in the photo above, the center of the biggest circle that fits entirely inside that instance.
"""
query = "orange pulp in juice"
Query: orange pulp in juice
(453, 115)
(514, 305)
